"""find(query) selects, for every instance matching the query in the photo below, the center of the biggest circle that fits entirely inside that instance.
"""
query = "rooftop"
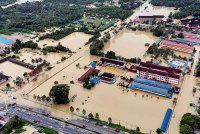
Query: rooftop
(170, 43)
(163, 68)
(152, 16)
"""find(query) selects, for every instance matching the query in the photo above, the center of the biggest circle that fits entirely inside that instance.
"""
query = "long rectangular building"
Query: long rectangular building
(156, 18)
(159, 73)
(176, 46)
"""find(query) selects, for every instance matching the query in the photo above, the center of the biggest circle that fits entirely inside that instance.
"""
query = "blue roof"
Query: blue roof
(93, 64)
(5, 40)
(166, 120)
(188, 40)
(147, 88)
(172, 65)
(154, 83)
(95, 80)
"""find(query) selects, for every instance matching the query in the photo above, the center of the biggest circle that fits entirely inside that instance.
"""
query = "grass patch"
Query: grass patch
(16, 125)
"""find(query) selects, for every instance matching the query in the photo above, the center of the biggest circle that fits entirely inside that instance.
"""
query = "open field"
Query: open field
(13, 70)
(124, 107)
(130, 44)
(74, 41)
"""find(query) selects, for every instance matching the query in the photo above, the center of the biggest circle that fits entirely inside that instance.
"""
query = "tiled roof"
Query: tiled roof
(149, 70)
(170, 43)
(158, 67)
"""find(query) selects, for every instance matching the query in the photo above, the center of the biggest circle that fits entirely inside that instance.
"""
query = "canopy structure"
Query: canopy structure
(154, 83)
(95, 80)
(166, 120)
(93, 64)
(151, 89)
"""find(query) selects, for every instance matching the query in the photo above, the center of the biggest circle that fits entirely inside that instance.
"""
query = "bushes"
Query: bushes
(188, 123)
(57, 48)
(88, 85)
(19, 45)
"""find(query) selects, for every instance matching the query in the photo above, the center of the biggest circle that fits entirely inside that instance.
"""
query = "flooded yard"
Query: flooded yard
(125, 107)
(13, 70)
(130, 44)
(148, 9)
(73, 41)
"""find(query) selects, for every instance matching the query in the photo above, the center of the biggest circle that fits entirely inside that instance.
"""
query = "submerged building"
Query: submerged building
(151, 86)
(155, 18)
(176, 46)
(159, 73)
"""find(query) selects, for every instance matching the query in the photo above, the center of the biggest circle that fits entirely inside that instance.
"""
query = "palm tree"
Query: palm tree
(7, 85)
(84, 112)
(97, 116)
(159, 131)
(34, 96)
(109, 120)
(77, 109)
(48, 99)
(43, 98)
(38, 98)
(72, 109)
(194, 90)
(174, 101)
(90, 116)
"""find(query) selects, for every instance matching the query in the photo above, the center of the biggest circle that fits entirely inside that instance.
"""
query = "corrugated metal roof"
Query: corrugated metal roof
(154, 83)
(166, 120)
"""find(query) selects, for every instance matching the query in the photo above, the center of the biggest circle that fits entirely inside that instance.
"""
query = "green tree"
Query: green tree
(43, 98)
(71, 109)
(60, 94)
(84, 112)
(109, 120)
(159, 31)
(97, 116)
(159, 131)
(90, 116)
(186, 129)
(111, 55)
(180, 35)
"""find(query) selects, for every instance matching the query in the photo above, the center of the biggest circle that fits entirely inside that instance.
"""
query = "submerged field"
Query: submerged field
(130, 44)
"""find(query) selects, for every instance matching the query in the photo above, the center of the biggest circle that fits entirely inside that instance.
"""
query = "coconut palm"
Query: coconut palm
(97, 116)
(38, 98)
(109, 120)
(72, 109)
(90, 116)
(174, 101)
(48, 99)
(77, 109)
(84, 112)
(34, 96)
(43, 98)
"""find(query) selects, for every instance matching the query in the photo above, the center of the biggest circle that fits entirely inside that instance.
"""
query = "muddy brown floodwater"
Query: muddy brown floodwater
(130, 44)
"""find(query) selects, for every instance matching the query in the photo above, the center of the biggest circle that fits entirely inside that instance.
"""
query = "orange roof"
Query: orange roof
(170, 43)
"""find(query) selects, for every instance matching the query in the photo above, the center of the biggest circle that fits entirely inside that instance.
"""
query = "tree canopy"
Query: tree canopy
(60, 94)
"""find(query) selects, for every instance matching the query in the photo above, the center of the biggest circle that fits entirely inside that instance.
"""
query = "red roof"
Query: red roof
(149, 70)
(170, 43)
(87, 74)
(158, 67)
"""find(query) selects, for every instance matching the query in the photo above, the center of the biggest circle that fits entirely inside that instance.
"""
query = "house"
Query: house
(108, 78)
(191, 23)
(111, 62)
